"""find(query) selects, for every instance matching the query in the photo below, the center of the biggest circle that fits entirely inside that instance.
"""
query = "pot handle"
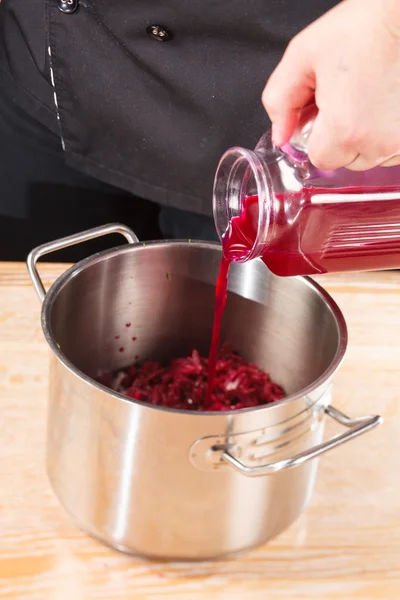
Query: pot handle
(71, 240)
(356, 427)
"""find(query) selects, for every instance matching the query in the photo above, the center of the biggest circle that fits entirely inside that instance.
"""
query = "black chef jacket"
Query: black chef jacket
(146, 94)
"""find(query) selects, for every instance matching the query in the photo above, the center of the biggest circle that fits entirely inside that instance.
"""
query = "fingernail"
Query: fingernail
(276, 136)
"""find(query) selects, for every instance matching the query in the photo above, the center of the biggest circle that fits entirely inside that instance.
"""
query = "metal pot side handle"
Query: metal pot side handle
(356, 427)
(72, 240)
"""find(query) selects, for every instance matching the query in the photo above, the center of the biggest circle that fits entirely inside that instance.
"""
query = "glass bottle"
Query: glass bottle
(273, 204)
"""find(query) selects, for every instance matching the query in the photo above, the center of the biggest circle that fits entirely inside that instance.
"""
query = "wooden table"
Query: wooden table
(346, 545)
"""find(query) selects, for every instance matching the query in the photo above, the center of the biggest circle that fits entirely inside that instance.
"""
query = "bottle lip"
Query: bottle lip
(235, 167)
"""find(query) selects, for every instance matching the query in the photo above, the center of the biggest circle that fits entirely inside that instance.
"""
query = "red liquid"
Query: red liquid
(317, 231)
(220, 302)
(322, 231)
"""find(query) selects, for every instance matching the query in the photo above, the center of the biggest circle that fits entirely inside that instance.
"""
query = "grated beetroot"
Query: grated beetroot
(182, 384)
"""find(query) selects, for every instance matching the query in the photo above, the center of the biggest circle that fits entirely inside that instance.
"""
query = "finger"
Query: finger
(391, 162)
(325, 148)
(362, 163)
(290, 88)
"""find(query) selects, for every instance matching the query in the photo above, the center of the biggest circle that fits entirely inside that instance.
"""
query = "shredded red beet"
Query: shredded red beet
(182, 384)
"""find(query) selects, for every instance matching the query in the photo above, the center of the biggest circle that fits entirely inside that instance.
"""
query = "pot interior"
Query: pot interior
(156, 302)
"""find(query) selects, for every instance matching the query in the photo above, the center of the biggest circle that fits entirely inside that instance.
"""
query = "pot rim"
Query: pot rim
(85, 263)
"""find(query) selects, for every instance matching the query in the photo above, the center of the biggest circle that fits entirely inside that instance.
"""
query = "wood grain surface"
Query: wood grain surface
(346, 545)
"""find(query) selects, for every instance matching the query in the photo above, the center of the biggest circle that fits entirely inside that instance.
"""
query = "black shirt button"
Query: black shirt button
(159, 33)
(67, 6)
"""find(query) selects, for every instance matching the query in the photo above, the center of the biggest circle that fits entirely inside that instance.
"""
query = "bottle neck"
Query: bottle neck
(243, 201)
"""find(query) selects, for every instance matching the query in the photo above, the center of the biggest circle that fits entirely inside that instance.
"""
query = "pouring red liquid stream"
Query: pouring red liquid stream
(317, 231)
(221, 291)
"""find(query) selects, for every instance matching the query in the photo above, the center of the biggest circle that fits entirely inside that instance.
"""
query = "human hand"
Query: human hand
(348, 62)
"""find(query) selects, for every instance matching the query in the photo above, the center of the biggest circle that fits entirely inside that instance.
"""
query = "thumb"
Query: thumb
(289, 89)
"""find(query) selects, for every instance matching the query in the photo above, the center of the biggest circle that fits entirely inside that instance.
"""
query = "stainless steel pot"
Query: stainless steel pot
(170, 484)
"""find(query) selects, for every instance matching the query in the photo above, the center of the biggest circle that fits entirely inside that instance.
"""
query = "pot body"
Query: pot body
(154, 481)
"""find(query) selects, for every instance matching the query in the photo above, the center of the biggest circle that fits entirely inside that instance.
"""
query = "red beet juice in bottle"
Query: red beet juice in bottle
(273, 204)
